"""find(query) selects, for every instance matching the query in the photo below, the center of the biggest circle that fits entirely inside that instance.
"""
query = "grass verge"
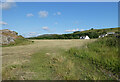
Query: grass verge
(103, 53)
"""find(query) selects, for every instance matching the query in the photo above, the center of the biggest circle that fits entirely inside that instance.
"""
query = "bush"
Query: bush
(109, 41)
(112, 42)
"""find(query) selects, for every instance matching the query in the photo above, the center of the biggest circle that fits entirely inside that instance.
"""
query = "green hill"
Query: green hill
(92, 33)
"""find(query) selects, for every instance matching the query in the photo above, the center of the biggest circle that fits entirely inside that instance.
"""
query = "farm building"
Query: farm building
(108, 33)
(103, 35)
(84, 37)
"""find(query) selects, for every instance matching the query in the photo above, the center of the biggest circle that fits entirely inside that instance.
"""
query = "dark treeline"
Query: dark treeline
(92, 33)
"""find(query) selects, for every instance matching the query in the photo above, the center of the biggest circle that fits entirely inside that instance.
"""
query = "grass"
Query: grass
(62, 66)
(103, 53)
(60, 60)
(19, 41)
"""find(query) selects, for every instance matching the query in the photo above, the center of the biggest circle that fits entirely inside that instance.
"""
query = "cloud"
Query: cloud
(30, 15)
(81, 29)
(30, 34)
(43, 14)
(8, 4)
(45, 28)
(72, 30)
(56, 22)
(57, 13)
(39, 34)
(3, 23)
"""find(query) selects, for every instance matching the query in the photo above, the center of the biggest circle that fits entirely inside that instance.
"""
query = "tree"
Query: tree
(92, 28)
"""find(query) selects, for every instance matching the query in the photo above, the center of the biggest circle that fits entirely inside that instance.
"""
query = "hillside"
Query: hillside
(92, 33)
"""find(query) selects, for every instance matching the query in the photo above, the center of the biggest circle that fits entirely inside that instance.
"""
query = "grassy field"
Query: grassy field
(50, 60)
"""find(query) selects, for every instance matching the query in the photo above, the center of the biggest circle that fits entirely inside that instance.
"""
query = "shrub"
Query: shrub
(109, 41)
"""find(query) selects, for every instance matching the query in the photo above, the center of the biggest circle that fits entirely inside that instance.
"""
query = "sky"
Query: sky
(36, 18)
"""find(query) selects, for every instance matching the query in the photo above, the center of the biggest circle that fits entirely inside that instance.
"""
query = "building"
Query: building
(103, 35)
(108, 33)
(84, 37)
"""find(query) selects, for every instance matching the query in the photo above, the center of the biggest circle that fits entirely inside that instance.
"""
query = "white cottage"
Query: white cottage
(103, 35)
(84, 37)
(108, 33)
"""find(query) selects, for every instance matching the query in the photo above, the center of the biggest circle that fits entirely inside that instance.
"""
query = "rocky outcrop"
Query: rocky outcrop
(7, 36)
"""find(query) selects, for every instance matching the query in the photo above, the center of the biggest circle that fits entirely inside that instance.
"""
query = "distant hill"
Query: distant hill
(100, 31)
(92, 33)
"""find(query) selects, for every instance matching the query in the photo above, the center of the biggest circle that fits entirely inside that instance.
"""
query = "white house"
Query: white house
(108, 33)
(84, 37)
(103, 35)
